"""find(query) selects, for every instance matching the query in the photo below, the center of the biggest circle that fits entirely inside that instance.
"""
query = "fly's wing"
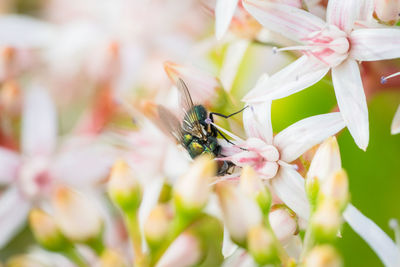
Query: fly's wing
(169, 123)
(190, 122)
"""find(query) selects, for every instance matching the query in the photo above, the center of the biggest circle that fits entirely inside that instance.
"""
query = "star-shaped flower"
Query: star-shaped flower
(29, 176)
(271, 156)
(335, 45)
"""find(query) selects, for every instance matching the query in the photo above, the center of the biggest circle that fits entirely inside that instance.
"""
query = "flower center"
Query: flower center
(34, 178)
(330, 45)
(261, 156)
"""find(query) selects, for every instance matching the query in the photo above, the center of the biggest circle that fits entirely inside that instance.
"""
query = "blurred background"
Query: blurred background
(92, 55)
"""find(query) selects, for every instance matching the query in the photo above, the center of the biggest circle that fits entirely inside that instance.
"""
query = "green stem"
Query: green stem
(73, 255)
(132, 222)
(97, 244)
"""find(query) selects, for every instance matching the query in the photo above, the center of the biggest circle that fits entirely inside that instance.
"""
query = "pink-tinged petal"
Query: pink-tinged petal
(240, 258)
(395, 128)
(296, 139)
(375, 44)
(83, 163)
(9, 163)
(224, 11)
(293, 23)
(297, 76)
(366, 10)
(377, 239)
(351, 101)
(39, 123)
(288, 185)
(25, 32)
(185, 251)
(343, 13)
(13, 212)
(257, 121)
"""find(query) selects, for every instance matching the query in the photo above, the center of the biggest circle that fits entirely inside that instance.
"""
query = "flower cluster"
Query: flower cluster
(104, 163)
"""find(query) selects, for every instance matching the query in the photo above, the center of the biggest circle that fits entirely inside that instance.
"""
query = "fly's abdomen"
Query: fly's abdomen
(197, 147)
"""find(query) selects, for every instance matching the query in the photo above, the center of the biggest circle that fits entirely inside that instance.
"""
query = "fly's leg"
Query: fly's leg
(225, 116)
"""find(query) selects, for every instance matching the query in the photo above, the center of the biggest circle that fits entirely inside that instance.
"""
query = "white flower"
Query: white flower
(31, 175)
(333, 45)
(271, 156)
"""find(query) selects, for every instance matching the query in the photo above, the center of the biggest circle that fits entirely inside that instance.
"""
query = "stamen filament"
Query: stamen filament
(384, 79)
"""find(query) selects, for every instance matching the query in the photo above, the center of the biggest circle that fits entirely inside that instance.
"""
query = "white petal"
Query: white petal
(351, 101)
(377, 239)
(224, 11)
(288, 185)
(228, 247)
(151, 194)
(234, 55)
(39, 123)
(366, 10)
(395, 128)
(343, 13)
(297, 76)
(293, 23)
(9, 162)
(303, 135)
(257, 121)
(25, 32)
(375, 44)
(326, 160)
(13, 212)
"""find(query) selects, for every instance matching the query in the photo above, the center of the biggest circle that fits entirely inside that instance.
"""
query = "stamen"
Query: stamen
(237, 138)
(384, 79)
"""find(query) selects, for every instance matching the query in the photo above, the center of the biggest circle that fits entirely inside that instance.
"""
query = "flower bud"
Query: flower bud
(157, 225)
(123, 188)
(76, 216)
(253, 187)
(336, 188)
(111, 258)
(184, 251)
(193, 188)
(283, 222)
(324, 255)
(326, 221)
(261, 245)
(239, 211)
(325, 161)
(387, 10)
(46, 232)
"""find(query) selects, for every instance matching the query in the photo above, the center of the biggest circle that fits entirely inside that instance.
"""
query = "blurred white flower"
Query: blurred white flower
(31, 175)
(333, 45)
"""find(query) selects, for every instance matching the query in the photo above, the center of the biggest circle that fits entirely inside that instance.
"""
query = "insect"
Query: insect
(197, 135)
